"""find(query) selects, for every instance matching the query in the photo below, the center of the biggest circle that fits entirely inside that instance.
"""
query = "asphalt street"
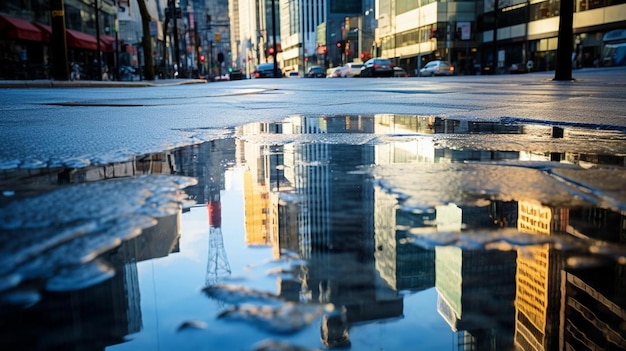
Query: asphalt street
(390, 199)
(42, 122)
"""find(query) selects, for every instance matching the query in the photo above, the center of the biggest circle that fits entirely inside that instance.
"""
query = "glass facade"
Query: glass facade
(407, 31)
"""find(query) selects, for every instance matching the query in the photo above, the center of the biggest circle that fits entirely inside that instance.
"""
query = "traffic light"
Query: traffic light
(220, 57)
(202, 58)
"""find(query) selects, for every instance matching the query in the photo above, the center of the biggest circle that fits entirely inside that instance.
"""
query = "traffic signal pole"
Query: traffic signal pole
(59, 42)
(275, 46)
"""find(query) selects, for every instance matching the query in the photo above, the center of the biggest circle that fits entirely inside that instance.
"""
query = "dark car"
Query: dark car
(235, 74)
(266, 70)
(377, 67)
(315, 72)
(518, 68)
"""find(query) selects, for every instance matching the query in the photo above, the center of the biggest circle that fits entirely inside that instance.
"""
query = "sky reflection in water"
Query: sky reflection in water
(394, 231)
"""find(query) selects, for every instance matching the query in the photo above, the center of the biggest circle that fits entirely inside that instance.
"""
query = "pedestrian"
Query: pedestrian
(75, 71)
(105, 72)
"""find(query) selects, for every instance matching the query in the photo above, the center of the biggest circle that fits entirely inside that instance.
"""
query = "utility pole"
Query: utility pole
(494, 55)
(99, 48)
(275, 45)
(59, 42)
(563, 70)
(117, 44)
(174, 15)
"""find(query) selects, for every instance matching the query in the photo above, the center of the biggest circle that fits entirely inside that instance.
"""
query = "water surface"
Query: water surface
(369, 232)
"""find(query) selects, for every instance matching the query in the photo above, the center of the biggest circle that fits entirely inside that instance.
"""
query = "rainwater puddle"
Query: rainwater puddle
(362, 232)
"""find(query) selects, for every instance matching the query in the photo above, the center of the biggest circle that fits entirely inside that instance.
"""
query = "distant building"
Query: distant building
(206, 37)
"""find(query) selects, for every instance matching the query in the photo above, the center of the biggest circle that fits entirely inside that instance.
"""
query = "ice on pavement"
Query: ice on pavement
(473, 183)
(57, 237)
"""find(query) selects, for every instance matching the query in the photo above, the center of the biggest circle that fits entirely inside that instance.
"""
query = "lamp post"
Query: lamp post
(274, 44)
(59, 42)
(365, 32)
(116, 26)
(419, 38)
(99, 49)
(174, 12)
(494, 57)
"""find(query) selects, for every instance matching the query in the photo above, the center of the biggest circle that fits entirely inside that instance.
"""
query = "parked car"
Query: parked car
(294, 74)
(399, 72)
(437, 68)
(266, 70)
(377, 67)
(517, 68)
(235, 74)
(315, 72)
(351, 69)
(335, 73)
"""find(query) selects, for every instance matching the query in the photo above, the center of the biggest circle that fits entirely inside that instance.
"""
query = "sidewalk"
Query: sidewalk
(43, 83)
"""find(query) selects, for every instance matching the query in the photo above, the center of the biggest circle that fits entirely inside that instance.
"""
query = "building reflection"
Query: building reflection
(323, 210)
(312, 199)
(208, 163)
(71, 320)
(318, 200)
(594, 297)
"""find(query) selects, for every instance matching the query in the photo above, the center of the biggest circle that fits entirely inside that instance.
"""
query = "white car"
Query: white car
(335, 73)
(352, 69)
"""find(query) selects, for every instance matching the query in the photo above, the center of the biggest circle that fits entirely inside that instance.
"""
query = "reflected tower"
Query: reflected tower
(217, 263)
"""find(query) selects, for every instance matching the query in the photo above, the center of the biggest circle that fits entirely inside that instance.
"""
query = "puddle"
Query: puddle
(369, 232)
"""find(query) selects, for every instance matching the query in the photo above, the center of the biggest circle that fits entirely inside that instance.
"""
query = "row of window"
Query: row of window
(544, 9)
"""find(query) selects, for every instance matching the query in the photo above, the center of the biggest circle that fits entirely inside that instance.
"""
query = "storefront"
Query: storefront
(21, 52)
(24, 50)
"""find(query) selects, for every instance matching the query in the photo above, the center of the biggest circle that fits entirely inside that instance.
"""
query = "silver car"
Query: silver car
(437, 68)
(351, 69)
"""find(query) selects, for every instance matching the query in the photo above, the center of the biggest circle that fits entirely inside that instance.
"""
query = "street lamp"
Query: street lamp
(99, 49)
(274, 44)
(419, 38)
(362, 26)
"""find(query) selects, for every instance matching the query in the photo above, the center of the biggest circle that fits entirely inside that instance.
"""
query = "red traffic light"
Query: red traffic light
(202, 58)
(338, 44)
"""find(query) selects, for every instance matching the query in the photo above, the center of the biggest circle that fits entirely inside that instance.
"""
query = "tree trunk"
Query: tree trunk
(164, 71)
(563, 70)
(146, 40)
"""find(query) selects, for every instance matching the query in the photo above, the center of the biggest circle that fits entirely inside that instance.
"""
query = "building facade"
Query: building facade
(489, 36)
(206, 37)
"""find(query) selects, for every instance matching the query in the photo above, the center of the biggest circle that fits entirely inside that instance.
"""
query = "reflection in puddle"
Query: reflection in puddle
(518, 229)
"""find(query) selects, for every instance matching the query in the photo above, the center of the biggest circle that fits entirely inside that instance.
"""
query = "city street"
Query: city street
(463, 212)
(40, 125)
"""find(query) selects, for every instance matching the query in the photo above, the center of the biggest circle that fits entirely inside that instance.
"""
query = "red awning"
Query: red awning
(46, 31)
(17, 28)
(107, 43)
(80, 40)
